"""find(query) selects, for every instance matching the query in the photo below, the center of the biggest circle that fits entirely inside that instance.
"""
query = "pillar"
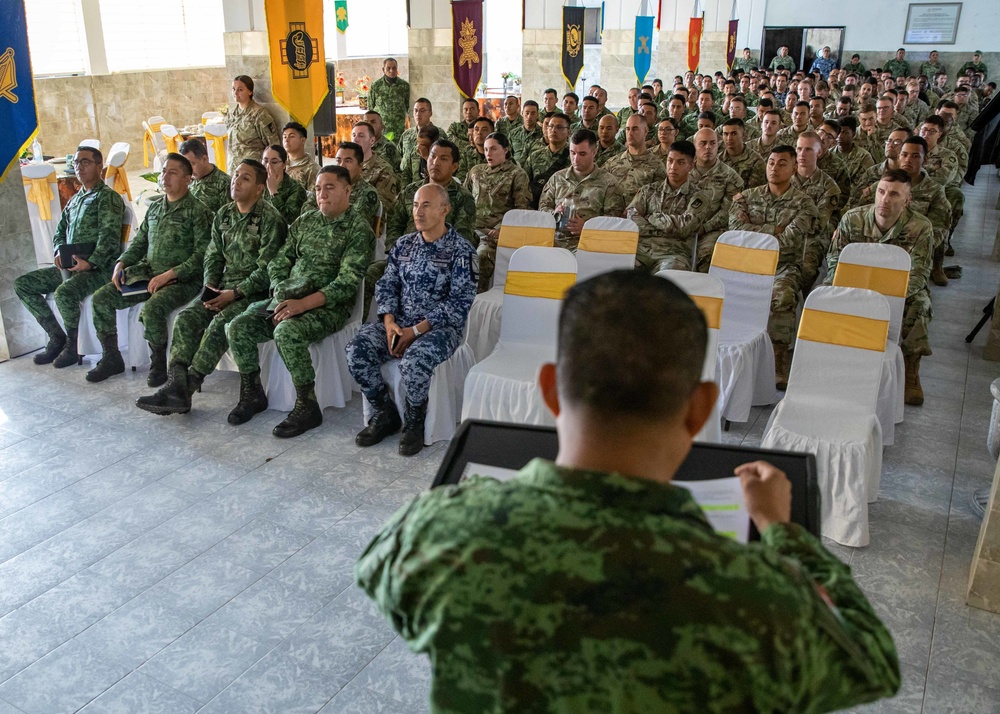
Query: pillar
(541, 52)
(429, 59)
(19, 333)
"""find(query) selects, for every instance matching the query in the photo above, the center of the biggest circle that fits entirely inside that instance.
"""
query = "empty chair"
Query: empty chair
(115, 176)
(885, 269)
(217, 141)
(606, 243)
(152, 141)
(829, 407)
(212, 118)
(44, 209)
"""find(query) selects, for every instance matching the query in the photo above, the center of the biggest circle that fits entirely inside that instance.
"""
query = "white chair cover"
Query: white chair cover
(519, 228)
(116, 178)
(606, 243)
(217, 140)
(152, 141)
(829, 407)
(92, 143)
(745, 262)
(709, 294)
(136, 349)
(171, 138)
(504, 386)
(87, 343)
(41, 187)
(211, 117)
(886, 270)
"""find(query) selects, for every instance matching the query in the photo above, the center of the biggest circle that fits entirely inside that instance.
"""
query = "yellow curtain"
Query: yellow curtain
(40, 193)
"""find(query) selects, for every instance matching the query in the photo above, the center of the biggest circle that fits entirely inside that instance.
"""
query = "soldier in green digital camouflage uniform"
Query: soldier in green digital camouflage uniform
(525, 136)
(209, 184)
(545, 159)
(251, 127)
(422, 113)
(898, 66)
(825, 195)
(314, 282)
(300, 166)
(745, 62)
(789, 215)
(892, 221)
(511, 116)
(284, 193)
(386, 148)
(94, 217)
(364, 198)
(607, 142)
(246, 235)
(390, 97)
(458, 131)
(169, 252)
(720, 183)
(594, 584)
(636, 166)
(376, 170)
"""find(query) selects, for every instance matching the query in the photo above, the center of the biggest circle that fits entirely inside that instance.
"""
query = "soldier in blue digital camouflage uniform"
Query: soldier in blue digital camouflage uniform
(424, 299)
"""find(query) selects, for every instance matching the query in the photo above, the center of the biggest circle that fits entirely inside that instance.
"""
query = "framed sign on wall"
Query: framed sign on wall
(932, 23)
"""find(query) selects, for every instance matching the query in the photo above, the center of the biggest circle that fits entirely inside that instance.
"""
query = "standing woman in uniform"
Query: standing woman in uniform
(251, 127)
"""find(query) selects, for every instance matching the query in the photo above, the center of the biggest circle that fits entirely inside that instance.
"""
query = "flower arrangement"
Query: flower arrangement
(224, 110)
(510, 77)
(363, 84)
(341, 82)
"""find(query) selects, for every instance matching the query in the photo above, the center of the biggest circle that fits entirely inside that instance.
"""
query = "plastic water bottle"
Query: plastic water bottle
(36, 151)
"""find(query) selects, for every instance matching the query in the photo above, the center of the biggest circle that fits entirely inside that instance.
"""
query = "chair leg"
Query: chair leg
(726, 424)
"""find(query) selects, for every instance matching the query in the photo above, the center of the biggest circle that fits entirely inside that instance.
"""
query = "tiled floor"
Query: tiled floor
(179, 564)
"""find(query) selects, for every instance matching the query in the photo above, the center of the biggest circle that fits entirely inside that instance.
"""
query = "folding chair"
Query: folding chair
(217, 141)
(606, 244)
(44, 209)
(152, 141)
(829, 407)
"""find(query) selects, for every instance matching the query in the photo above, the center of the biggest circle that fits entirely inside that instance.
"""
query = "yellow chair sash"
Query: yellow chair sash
(552, 286)
(218, 144)
(616, 242)
(887, 281)
(834, 328)
(120, 180)
(711, 308)
(204, 121)
(520, 236)
(171, 142)
(148, 146)
(756, 261)
(40, 194)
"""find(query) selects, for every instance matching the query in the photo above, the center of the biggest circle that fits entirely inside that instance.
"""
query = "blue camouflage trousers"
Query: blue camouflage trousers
(369, 350)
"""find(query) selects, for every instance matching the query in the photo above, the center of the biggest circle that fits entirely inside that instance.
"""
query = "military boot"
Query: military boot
(172, 398)
(913, 393)
(68, 356)
(252, 399)
(57, 340)
(937, 268)
(411, 441)
(195, 380)
(157, 365)
(385, 420)
(305, 415)
(782, 365)
(111, 361)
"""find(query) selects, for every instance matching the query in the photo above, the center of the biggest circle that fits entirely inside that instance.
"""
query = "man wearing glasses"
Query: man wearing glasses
(544, 160)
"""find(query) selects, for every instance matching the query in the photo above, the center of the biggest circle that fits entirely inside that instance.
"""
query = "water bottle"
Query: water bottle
(36, 151)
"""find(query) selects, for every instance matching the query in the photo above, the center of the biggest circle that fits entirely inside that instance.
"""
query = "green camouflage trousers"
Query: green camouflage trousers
(706, 248)
(292, 338)
(199, 336)
(487, 251)
(154, 315)
(32, 288)
(957, 200)
(784, 301)
(814, 254)
(917, 314)
(667, 254)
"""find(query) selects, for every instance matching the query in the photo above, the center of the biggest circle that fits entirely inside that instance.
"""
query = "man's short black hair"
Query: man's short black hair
(802, 104)
(850, 123)
(584, 136)
(833, 124)
(896, 175)
(95, 154)
(445, 144)
(429, 132)
(425, 100)
(735, 121)
(934, 120)
(339, 171)
(684, 147)
(365, 125)
(280, 151)
(358, 152)
(193, 146)
(589, 98)
(530, 103)
(613, 362)
(185, 164)
(296, 127)
(574, 95)
(708, 116)
(559, 115)
(919, 141)
(550, 90)
(470, 100)
(259, 172)
(487, 120)
(785, 149)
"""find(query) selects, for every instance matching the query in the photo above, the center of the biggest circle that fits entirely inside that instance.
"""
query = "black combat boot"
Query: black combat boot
(68, 356)
(195, 380)
(305, 415)
(111, 361)
(157, 365)
(172, 398)
(252, 399)
(411, 441)
(384, 422)
(57, 340)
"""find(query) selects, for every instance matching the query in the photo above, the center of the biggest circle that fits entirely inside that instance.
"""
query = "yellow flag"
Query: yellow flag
(298, 65)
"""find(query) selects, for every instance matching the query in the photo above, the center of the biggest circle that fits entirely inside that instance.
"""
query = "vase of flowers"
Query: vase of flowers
(363, 85)
(341, 86)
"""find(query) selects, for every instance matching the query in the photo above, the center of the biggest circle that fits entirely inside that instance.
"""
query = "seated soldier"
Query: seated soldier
(374, 169)
(314, 279)
(246, 235)
(943, 165)
(386, 148)
(414, 167)
(870, 178)
(800, 123)
(209, 184)
(720, 183)
(788, 214)
(301, 167)
(526, 135)
(636, 166)
(422, 113)
(424, 299)
(594, 584)
(825, 195)
(473, 152)
(548, 158)
(511, 115)
(738, 110)
(168, 252)
(666, 135)
(92, 221)
(458, 131)
(607, 141)
(770, 125)
(892, 221)
(739, 157)
(284, 193)
(364, 197)
(857, 159)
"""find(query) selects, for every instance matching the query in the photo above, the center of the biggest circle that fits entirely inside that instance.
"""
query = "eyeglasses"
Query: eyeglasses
(84, 162)
(558, 127)
(894, 142)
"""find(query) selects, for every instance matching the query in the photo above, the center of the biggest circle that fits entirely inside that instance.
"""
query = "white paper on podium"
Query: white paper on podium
(722, 501)
(497, 472)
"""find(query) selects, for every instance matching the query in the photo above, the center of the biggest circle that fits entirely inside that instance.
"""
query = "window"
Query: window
(592, 26)
(375, 29)
(56, 37)
(162, 34)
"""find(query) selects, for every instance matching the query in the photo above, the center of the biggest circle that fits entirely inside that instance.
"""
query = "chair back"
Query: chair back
(91, 143)
(519, 228)
(128, 220)
(838, 352)
(171, 138)
(745, 262)
(152, 141)
(708, 293)
(115, 176)
(41, 188)
(211, 117)
(536, 283)
(120, 146)
(217, 141)
(880, 267)
(606, 243)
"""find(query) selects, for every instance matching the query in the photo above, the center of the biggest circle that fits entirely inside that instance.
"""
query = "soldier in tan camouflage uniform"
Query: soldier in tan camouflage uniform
(720, 183)
(943, 166)
(301, 167)
(251, 126)
(636, 166)
(740, 158)
(891, 152)
(375, 169)
(857, 159)
(770, 125)
(473, 151)
(825, 194)
(666, 135)
(607, 143)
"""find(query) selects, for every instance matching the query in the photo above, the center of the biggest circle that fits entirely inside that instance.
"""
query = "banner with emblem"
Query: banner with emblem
(467, 45)
(643, 51)
(734, 23)
(17, 89)
(298, 64)
(340, 8)
(695, 28)
(572, 44)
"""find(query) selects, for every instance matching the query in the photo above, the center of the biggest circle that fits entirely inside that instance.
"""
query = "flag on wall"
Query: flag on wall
(731, 38)
(17, 89)
(340, 7)
(295, 44)
(643, 52)
(572, 44)
(659, 14)
(694, 37)
(467, 45)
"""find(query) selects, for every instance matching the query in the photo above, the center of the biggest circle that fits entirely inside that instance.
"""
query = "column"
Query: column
(541, 54)
(19, 333)
(430, 60)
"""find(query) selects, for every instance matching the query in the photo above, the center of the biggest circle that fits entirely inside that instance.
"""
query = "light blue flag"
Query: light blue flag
(643, 51)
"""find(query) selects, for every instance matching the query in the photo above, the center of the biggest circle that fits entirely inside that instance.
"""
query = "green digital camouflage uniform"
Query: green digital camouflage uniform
(782, 63)
(898, 68)
(364, 199)
(469, 157)
(975, 67)
(383, 178)
(857, 162)
(251, 130)
(505, 126)
(458, 132)
(749, 165)
(597, 194)
(172, 235)
(329, 256)
(541, 165)
(523, 141)
(943, 166)
(413, 167)
(927, 199)
(93, 216)
(929, 69)
(914, 234)
(669, 219)
(389, 151)
(289, 198)
(242, 245)
(606, 153)
(391, 99)
(623, 114)
(212, 189)
(408, 144)
(304, 171)
(757, 209)
(496, 190)
(634, 172)
(565, 590)
(720, 183)
(825, 195)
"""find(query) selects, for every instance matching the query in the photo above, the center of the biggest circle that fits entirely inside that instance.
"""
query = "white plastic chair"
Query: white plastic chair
(709, 294)
(171, 138)
(504, 386)
(41, 188)
(519, 228)
(217, 141)
(152, 141)
(606, 244)
(91, 143)
(829, 407)
(745, 262)
(211, 118)
(885, 269)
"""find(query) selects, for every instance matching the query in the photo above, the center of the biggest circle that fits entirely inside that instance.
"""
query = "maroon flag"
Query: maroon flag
(467, 44)
(731, 44)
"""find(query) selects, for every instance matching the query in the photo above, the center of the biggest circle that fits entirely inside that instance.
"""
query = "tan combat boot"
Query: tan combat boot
(937, 269)
(782, 363)
(913, 393)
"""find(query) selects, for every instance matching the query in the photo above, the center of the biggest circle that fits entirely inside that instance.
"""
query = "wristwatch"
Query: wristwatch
(416, 332)
(237, 294)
